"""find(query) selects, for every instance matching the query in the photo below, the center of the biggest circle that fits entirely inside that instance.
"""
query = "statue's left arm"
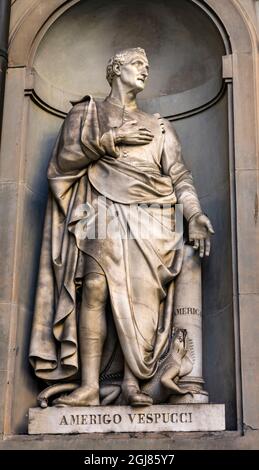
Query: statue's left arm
(199, 226)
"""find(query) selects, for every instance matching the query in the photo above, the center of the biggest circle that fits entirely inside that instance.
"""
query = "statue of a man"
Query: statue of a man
(113, 150)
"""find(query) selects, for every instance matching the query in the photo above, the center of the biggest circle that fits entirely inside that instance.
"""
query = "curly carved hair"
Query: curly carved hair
(121, 58)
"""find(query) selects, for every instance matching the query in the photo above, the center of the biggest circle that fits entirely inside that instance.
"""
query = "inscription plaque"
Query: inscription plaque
(68, 420)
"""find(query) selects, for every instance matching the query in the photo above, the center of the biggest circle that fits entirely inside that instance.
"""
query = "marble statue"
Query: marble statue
(104, 328)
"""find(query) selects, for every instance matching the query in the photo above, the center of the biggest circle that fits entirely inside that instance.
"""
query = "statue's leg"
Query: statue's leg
(188, 315)
(92, 329)
(92, 333)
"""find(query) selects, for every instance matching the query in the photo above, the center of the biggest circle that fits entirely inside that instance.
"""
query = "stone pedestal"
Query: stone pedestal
(103, 419)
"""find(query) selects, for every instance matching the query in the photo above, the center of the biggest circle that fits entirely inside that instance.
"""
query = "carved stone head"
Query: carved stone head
(130, 66)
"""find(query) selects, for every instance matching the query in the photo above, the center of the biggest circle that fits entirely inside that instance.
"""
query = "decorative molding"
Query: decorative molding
(29, 24)
(36, 99)
(200, 109)
(227, 66)
(43, 104)
(29, 27)
(217, 21)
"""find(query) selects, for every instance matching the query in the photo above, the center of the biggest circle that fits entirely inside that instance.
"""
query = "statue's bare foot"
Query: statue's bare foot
(82, 396)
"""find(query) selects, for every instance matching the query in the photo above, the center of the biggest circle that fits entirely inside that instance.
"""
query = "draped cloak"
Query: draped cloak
(88, 168)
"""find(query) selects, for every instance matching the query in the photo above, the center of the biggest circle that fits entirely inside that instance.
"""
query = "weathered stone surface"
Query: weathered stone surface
(5, 311)
(219, 357)
(42, 132)
(66, 420)
(223, 440)
(8, 215)
(25, 388)
(27, 19)
(13, 125)
(250, 358)
(245, 142)
(248, 230)
(8, 312)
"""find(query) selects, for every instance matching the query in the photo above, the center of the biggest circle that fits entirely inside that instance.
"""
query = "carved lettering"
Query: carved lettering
(131, 417)
(138, 418)
(106, 419)
(166, 417)
(74, 419)
(183, 417)
(188, 311)
(157, 416)
(117, 419)
(92, 419)
(63, 421)
(84, 419)
(174, 417)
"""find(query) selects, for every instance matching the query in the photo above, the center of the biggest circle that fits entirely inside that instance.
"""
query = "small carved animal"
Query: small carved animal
(175, 364)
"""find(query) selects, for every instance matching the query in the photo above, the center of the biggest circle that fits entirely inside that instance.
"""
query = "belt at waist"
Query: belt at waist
(144, 166)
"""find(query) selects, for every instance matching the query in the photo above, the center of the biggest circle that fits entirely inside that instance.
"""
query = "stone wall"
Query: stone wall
(54, 59)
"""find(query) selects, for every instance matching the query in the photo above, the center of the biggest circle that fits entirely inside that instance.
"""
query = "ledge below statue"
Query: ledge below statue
(103, 419)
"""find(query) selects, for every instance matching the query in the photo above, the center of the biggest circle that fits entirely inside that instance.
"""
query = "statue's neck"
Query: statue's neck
(123, 99)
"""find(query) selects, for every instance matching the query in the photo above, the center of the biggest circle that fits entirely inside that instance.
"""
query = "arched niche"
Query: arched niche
(185, 85)
(191, 93)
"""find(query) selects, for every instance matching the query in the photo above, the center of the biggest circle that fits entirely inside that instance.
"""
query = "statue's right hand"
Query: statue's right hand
(131, 133)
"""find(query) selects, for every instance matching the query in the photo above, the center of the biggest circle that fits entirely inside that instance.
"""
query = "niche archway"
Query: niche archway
(201, 111)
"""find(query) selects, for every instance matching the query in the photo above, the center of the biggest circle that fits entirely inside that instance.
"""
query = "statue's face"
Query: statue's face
(134, 73)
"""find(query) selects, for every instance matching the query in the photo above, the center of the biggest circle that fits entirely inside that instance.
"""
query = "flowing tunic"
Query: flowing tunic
(115, 204)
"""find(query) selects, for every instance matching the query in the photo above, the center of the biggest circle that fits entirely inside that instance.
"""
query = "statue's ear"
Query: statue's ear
(117, 68)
